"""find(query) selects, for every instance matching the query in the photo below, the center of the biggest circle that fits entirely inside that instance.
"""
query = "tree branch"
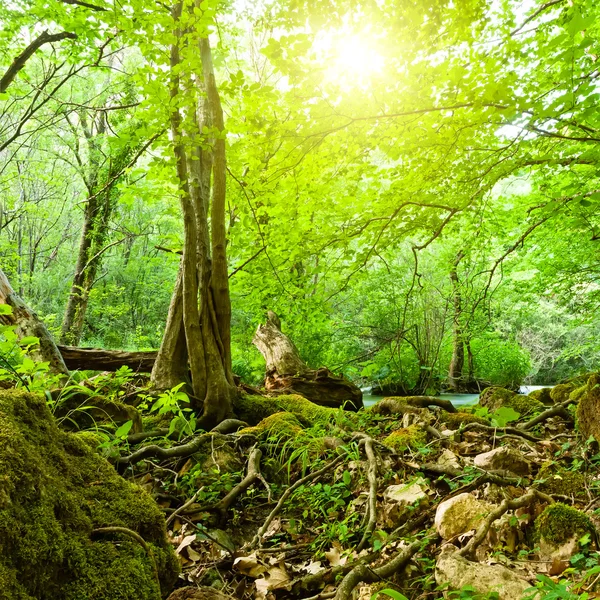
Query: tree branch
(19, 62)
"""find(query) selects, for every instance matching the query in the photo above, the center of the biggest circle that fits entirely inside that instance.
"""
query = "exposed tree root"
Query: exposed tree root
(164, 453)
(372, 505)
(506, 505)
(363, 573)
(252, 475)
(288, 492)
(558, 410)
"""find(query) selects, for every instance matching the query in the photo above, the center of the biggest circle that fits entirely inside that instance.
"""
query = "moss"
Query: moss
(254, 409)
(542, 396)
(281, 424)
(562, 391)
(455, 420)
(495, 397)
(408, 437)
(559, 523)
(560, 481)
(54, 490)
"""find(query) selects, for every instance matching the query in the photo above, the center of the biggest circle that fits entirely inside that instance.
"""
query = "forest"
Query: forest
(299, 299)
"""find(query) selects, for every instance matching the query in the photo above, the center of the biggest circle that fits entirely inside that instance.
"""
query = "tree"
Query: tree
(198, 323)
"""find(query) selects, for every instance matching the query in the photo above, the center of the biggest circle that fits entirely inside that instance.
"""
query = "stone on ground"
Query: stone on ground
(459, 514)
(457, 572)
(503, 459)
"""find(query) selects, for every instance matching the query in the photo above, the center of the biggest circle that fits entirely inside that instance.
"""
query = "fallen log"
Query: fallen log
(97, 359)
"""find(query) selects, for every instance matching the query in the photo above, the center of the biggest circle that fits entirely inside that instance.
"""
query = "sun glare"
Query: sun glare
(351, 57)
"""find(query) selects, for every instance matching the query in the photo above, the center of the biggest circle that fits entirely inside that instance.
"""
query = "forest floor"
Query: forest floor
(410, 496)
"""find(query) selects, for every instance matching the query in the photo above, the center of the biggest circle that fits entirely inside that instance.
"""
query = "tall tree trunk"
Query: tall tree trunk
(101, 178)
(455, 374)
(200, 306)
(26, 324)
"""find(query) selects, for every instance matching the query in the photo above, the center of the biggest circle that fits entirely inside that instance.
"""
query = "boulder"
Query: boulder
(588, 410)
(542, 395)
(495, 397)
(505, 459)
(453, 570)
(459, 514)
(59, 500)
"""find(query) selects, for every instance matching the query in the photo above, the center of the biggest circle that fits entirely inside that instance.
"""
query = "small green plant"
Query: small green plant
(173, 402)
(504, 415)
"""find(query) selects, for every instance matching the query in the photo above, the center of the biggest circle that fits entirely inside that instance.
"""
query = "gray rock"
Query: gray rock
(406, 493)
(457, 572)
(503, 459)
(459, 515)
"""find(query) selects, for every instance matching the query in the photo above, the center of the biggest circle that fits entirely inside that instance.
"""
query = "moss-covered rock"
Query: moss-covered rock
(562, 391)
(542, 395)
(254, 409)
(495, 397)
(455, 420)
(281, 424)
(54, 491)
(556, 480)
(588, 410)
(559, 523)
(395, 405)
(408, 437)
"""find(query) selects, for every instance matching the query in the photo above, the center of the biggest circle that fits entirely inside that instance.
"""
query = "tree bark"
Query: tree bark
(455, 376)
(26, 324)
(287, 373)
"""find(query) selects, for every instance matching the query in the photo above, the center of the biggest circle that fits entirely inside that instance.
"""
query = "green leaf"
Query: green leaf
(5, 309)
(122, 431)
(391, 593)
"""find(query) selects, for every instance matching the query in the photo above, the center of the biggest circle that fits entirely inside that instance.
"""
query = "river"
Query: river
(456, 399)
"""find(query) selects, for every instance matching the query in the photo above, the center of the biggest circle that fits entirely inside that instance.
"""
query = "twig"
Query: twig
(178, 511)
(310, 477)
(506, 430)
(372, 505)
(139, 539)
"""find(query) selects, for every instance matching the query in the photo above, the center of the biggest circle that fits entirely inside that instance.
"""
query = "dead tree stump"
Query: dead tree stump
(287, 373)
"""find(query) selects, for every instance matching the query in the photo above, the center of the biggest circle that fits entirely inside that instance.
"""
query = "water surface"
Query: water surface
(456, 399)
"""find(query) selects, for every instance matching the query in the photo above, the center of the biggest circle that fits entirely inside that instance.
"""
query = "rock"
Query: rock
(503, 459)
(559, 523)
(55, 490)
(198, 593)
(588, 410)
(543, 395)
(448, 459)
(459, 515)
(410, 493)
(550, 552)
(396, 502)
(495, 397)
(457, 572)
(408, 437)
